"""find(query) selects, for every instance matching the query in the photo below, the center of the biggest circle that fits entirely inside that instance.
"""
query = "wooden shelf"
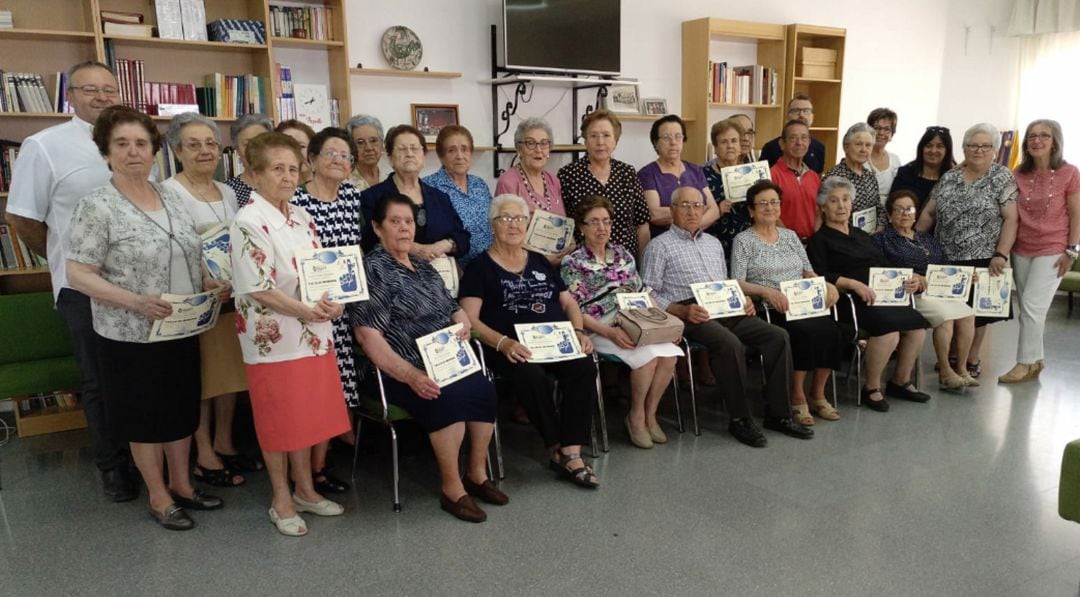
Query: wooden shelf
(727, 106)
(35, 115)
(392, 72)
(46, 34)
(304, 44)
(823, 129)
(51, 420)
(816, 80)
(157, 42)
(160, 118)
(646, 117)
(31, 271)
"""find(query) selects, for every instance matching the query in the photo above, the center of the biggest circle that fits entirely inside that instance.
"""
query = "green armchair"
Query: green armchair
(35, 354)
(1070, 283)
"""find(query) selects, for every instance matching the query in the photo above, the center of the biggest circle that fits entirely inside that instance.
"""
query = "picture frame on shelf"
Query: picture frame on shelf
(431, 118)
(622, 99)
(654, 106)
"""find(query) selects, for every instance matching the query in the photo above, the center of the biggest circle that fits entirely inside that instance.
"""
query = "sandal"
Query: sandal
(241, 462)
(583, 475)
(218, 477)
(975, 369)
(292, 527)
(823, 409)
(801, 414)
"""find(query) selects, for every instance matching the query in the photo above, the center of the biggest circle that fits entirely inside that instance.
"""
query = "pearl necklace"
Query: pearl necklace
(1031, 191)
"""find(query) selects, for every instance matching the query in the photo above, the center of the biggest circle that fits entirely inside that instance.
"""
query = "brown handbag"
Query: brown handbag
(649, 326)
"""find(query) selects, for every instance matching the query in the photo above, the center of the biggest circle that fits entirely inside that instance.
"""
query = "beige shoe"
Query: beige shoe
(953, 383)
(823, 409)
(642, 440)
(1020, 373)
(801, 414)
(657, 434)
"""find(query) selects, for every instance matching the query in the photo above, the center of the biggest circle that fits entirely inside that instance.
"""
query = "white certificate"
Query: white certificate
(633, 300)
(738, 179)
(192, 314)
(948, 282)
(865, 219)
(215, 252)
(337, 271)
(549, 342)
(722, 298)
(888, 286)
(446, 357)
(549, 233)
(992, 293)
(806, 298)
(447, 268)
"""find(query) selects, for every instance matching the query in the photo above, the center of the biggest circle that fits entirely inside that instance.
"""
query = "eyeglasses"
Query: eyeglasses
(1040, 136)
(332, 155)
(369, 142)
(600, 136)
(749, 133)
(677, 138)
(410, 148)
(800, 111)
(978, 148)
(108, 90)
(598, 222)
(904, 210)
(883, 129)
(938, 129)
(197, 146)
(687, 206)
(511, 219)
(395, 221)
(532, 144)
(767, 203)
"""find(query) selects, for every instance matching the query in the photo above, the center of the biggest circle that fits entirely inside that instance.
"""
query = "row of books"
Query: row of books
(9, 150)
(28, 92)
(304, 22)
(232, 96)
(753, 84)
(38, 403)
(14, 254)
(167, 165)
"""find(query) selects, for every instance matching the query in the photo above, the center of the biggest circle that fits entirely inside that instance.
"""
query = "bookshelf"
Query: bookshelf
(825, 92)
(738, 43)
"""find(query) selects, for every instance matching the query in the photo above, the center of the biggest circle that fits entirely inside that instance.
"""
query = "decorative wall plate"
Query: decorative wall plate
(402, 48)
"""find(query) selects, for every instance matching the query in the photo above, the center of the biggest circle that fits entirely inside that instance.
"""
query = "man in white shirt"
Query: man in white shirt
(55, 168)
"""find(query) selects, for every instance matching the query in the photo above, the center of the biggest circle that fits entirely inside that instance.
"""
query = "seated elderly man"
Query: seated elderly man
(684, 255)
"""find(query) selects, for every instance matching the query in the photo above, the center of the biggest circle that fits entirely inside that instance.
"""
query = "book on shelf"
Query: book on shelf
(170, 23)
(302, 22)
(116, 16)
(128, 29)
(193, 19)
(753, 84)
(129, 76)
(286, 102)
(9, 150)
(47, 402)
(6, 20)
(25, 92)
(14, 254)
(231, 96)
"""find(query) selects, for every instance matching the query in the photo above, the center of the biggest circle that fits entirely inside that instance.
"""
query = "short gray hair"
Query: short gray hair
(831, 184)
(500, 200)
(529, 124)
(855, 129)
(365, 120)
(249, 120)
(85, 65)
(984, 127)
(177, 124)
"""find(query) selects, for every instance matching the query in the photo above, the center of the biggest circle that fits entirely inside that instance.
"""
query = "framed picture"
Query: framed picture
(654, 106)
(431, 118)
(622, 99)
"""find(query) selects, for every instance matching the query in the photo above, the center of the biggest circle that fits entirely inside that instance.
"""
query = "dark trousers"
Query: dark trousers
(568, 423)
(725, 339)
(74, 308)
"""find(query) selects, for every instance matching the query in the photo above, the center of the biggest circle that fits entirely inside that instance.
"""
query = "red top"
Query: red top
(1041, 209)
(800, 197)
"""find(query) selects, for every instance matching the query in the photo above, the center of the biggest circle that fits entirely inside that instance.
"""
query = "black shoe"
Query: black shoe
(746, 432)
(119, 485)
(327, 483)
(173, 518)
(907, 391)
(198, 501)
(882, 406)
(788, 426)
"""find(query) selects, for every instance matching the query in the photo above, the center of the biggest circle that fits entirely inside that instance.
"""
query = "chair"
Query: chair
(1069, 488)
(688, 346)
(766, 311)
(858, 339)
(610, 358)
(1070, 283)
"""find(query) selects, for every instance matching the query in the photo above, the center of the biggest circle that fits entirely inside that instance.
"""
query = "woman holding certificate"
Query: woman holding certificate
(867, 211)
(132, 241)
(468, 193)
(726, 138)
(594, 274)
(293, 379)
(659, 179)
(844, 254)
(520, 308)
(409, 305)
(196, 142)
(766, 257)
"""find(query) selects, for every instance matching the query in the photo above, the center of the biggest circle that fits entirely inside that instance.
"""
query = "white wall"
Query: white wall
(896, 57)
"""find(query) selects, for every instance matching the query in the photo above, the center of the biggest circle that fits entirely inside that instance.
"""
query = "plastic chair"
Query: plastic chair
(858, 339)
(766, 311)
(610, 358)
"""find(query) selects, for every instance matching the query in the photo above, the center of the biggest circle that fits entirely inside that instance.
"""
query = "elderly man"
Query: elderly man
(799, 108)
(746, 141)
(684, 255)
(55, 168)
(797, 181)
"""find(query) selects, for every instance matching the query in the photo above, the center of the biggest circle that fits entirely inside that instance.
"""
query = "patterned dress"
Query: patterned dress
(623, 189)
(866, 190)
(243, 191)
(969, 214)
(338, 224)
(732, 223)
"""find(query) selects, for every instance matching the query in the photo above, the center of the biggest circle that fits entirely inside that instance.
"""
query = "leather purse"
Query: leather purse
(649, 326)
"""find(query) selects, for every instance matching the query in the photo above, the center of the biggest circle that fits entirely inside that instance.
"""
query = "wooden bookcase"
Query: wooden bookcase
(825, 92)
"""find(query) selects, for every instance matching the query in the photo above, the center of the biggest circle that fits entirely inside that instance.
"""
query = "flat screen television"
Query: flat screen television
(566, 36)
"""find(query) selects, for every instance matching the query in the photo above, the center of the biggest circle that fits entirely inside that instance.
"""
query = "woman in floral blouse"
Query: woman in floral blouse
(296, 395)
(594, 273)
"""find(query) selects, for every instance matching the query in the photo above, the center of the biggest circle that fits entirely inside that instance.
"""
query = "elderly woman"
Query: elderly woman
(246, 128)
(334, 205)
(659, 179)
(763, 257)
(858, 143)
(468, 193)
(409, 300)
(601, 174)
(933, 158)
(734, 217)
(1047, 238)
(844, 254)
(508, 285)
(196, 142)
(367, 133)
(302, 134)
(293, 378)
(953, 322)
(439, 230)
(882, 163)
(130, 242)
(593, 274)
(972, 213)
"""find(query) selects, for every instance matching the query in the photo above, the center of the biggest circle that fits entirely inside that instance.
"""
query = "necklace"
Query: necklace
(546, 201)
(169, 232)
(210, 204)
(1031, 191)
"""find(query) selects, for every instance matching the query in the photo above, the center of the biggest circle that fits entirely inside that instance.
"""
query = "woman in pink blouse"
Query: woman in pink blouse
(1047, 239)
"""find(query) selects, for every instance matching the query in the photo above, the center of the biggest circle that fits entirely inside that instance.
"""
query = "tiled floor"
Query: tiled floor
(955, 497)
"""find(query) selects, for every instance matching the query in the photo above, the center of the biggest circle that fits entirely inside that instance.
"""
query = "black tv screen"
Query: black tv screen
(562, 35)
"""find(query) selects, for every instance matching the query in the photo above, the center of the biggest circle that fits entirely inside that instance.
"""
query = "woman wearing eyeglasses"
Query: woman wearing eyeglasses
(882, 163)
(858, 143)
(659, 179)
(1047, 239)
(726, 136)
(469, 194)
(933, 158)
(972, 213)
(367, 135)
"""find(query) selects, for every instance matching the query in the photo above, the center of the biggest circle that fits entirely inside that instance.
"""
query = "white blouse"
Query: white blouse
(885, 177)
(206, 215)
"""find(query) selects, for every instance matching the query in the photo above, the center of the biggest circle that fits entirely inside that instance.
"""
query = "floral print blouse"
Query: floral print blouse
(593, 284)
(263, 245)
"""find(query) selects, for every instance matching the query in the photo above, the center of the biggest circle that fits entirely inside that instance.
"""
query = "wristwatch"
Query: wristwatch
(1072, 251)
(1000, 254)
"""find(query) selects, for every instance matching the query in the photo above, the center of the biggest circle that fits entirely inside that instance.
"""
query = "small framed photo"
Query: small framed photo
(431, 118)
(654, 106)
(622, 99)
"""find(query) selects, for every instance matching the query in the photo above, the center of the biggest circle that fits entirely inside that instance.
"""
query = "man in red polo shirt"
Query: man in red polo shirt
(799, 183)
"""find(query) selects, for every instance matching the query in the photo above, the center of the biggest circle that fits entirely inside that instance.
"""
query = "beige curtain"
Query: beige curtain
(1035, 17)
(1049, 87)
